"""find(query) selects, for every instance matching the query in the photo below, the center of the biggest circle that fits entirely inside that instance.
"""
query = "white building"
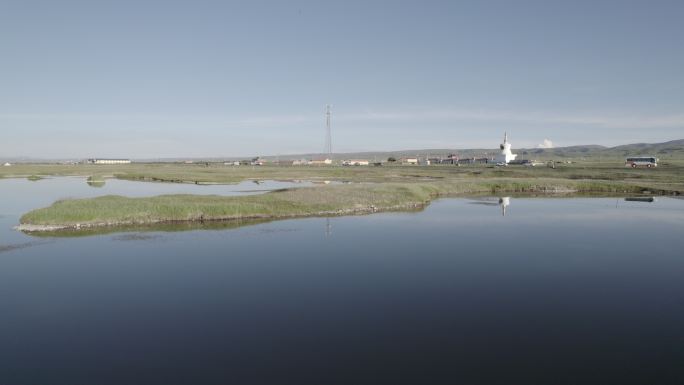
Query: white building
(109, 161)
(506, 155)
(409, 160)
(7, 164)
(355, 162)
(320, 162)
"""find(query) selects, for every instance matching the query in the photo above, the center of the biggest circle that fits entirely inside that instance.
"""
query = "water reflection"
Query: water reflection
(504, 202)
(97, 184)
(328, 228)
(95, 181)
(136, 237)
(640, 199)
(140, 230)
(18, 246)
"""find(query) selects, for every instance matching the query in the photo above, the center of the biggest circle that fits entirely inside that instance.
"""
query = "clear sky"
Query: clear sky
(220, 78)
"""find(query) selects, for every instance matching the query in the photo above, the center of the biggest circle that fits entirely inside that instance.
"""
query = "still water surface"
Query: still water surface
(562, 291)
(19, 196)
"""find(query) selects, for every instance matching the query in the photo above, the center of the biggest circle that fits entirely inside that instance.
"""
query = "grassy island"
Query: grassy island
(324, 200)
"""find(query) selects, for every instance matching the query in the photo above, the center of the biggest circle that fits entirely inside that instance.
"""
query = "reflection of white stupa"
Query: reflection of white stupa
(504, 202)
(505, 156)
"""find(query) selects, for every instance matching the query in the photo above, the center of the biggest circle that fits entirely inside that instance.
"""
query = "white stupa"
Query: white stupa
(506, 155)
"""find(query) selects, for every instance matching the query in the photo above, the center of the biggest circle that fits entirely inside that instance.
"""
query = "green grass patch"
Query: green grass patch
(313, 201)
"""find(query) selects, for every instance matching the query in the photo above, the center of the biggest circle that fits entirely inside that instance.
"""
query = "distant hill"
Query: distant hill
(566, 152)
(671, 149)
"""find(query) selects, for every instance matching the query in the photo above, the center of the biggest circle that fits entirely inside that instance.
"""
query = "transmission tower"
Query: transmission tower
(328, 131)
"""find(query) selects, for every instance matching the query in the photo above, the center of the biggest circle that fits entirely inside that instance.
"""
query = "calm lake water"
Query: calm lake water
(557, 291)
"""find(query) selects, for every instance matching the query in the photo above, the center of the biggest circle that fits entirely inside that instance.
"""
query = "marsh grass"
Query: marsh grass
(380, 189)
(668, 176)
(312, 201)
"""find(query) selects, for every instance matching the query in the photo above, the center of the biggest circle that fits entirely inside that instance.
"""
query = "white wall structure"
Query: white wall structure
(109, 161)
(355, 162)
(506, 155)
(319, 162)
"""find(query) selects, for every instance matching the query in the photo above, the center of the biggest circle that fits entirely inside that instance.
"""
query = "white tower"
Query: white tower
(506, 154)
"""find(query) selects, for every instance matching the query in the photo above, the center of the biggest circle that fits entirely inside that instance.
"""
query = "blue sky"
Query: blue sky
(219, 78)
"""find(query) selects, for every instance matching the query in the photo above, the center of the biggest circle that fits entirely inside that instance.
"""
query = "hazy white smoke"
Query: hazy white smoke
(546, 144)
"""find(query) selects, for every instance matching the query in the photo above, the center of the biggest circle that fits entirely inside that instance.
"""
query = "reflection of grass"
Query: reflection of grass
(8, 248)
(34, 178)
(157, 227)
(95, 181)
(96, 178)
(312, 201)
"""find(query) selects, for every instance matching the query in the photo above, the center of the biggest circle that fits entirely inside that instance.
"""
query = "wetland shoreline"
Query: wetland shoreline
(317, 201)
